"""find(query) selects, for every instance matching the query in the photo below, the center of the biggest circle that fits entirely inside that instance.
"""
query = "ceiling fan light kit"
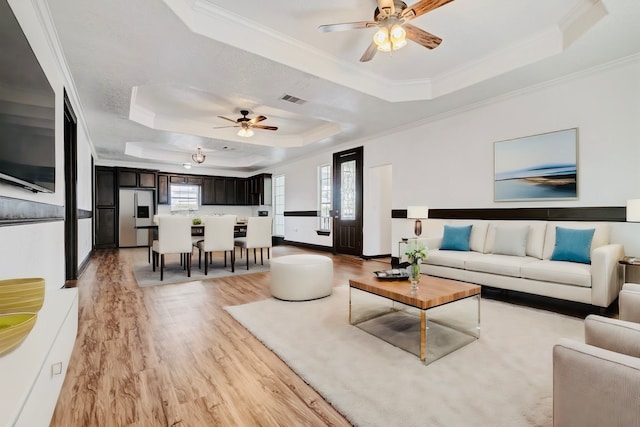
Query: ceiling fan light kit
(198, 157)
(246, 124)
(392, 17)
(388, 39)
(245, 132)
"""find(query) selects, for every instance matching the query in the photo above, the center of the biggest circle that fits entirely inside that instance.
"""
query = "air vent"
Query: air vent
(293, 99)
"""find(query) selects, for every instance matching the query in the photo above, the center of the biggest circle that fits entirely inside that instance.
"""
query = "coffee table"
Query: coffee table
(442, 316)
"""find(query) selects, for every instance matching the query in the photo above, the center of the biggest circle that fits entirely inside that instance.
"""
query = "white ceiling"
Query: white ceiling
(152, 77)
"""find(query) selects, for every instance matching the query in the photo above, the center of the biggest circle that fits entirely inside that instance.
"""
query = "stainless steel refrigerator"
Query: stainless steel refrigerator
(136, 210)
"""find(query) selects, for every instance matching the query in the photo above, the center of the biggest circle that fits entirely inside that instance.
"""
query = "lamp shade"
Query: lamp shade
(245, 132)
(417, 212)
(633, 210)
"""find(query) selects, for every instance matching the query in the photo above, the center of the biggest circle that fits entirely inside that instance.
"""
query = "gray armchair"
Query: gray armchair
(598, 383)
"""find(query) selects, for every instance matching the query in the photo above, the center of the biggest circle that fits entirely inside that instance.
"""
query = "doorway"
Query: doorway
(70, 191)
(347, 201)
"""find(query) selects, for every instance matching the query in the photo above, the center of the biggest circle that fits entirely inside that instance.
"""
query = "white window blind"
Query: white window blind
(185, 197)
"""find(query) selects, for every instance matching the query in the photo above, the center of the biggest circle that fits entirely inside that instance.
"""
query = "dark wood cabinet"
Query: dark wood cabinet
(136, 178)
(147, 180)
(163, 189)
(260, 189)
(242, 186)
(105, 208)
(178, 179)
(230, 191)
(105, 187)
(185, 179)
(208, 193)
(127, 178)
(219, 190)
(106, 226)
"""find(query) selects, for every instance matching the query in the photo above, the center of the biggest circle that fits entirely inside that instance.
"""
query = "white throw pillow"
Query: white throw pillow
(511, 240)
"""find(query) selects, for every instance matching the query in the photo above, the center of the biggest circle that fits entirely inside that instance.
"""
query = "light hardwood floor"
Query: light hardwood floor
(172, 356)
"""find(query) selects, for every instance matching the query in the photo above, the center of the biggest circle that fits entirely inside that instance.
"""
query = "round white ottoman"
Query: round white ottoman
(301, 277)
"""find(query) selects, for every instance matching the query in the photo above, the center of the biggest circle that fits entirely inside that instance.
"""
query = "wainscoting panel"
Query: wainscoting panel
(18, 211)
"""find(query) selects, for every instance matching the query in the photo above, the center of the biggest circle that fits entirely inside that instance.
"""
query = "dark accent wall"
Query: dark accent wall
(18, 211)
(306, 213)
(604, 213)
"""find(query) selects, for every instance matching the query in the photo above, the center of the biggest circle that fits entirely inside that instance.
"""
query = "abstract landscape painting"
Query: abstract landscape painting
(537, 167)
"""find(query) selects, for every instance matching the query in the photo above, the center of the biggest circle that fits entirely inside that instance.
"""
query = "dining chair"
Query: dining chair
(174, 237)
(258, 237)
(218, 236)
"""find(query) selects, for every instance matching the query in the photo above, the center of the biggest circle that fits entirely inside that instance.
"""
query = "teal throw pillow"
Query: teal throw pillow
(456, 238)
(573, 245)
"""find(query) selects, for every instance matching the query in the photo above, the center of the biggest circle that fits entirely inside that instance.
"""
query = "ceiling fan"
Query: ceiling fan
(246, 124)
(392, 16)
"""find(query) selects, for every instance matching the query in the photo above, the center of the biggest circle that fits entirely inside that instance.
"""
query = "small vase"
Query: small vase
(414, 272)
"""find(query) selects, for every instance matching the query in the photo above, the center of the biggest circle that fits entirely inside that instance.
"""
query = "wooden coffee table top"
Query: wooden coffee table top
(432, 291)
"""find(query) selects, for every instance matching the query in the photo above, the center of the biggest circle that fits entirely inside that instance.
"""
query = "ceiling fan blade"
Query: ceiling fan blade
(421, 8)
(226, 118)
(257, 119)
(369, 53)
(387, 5)
(330, 28)
(224, 127)
(264, 127)
(422, 37)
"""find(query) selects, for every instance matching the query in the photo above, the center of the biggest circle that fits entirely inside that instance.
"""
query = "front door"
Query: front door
(347, 201)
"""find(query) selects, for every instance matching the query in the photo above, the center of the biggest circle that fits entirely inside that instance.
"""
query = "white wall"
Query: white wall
(447, 162)
(377, 206)
(38, 250)
(301, 194)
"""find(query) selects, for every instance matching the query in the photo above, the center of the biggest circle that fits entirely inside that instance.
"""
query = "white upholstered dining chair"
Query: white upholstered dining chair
(258, 237)
(218, 236)
(174, 237)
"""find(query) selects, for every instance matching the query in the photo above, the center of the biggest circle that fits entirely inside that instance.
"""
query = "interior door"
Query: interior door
(347, 201)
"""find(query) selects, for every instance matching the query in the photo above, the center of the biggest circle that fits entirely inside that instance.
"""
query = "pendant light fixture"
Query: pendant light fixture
(198, 157)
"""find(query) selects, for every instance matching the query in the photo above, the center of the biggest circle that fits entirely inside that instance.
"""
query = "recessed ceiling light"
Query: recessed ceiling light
(187, 165)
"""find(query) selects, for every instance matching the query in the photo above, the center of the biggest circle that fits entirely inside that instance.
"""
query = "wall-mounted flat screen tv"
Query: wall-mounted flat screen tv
(27, 111)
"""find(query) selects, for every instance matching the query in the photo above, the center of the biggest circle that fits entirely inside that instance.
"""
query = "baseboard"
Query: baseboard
(368, 257)
(85, 263)
(81, 268)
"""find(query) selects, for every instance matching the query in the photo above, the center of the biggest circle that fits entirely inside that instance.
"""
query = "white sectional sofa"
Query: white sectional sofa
(501, 255)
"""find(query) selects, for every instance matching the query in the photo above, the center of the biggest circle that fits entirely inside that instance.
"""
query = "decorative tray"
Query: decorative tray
(395, 274)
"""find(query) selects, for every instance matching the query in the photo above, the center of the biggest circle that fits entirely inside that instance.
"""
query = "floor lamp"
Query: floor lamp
(418, 213)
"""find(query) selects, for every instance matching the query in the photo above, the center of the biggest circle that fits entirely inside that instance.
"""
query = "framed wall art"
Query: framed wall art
(537, 167)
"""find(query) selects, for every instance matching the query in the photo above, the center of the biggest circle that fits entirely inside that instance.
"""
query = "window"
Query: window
(348, 198)
(324, 192)
(185, 197)
(278, 206)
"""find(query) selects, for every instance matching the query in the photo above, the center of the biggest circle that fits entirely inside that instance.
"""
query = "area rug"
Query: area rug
(174, 272)
(502, 379)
